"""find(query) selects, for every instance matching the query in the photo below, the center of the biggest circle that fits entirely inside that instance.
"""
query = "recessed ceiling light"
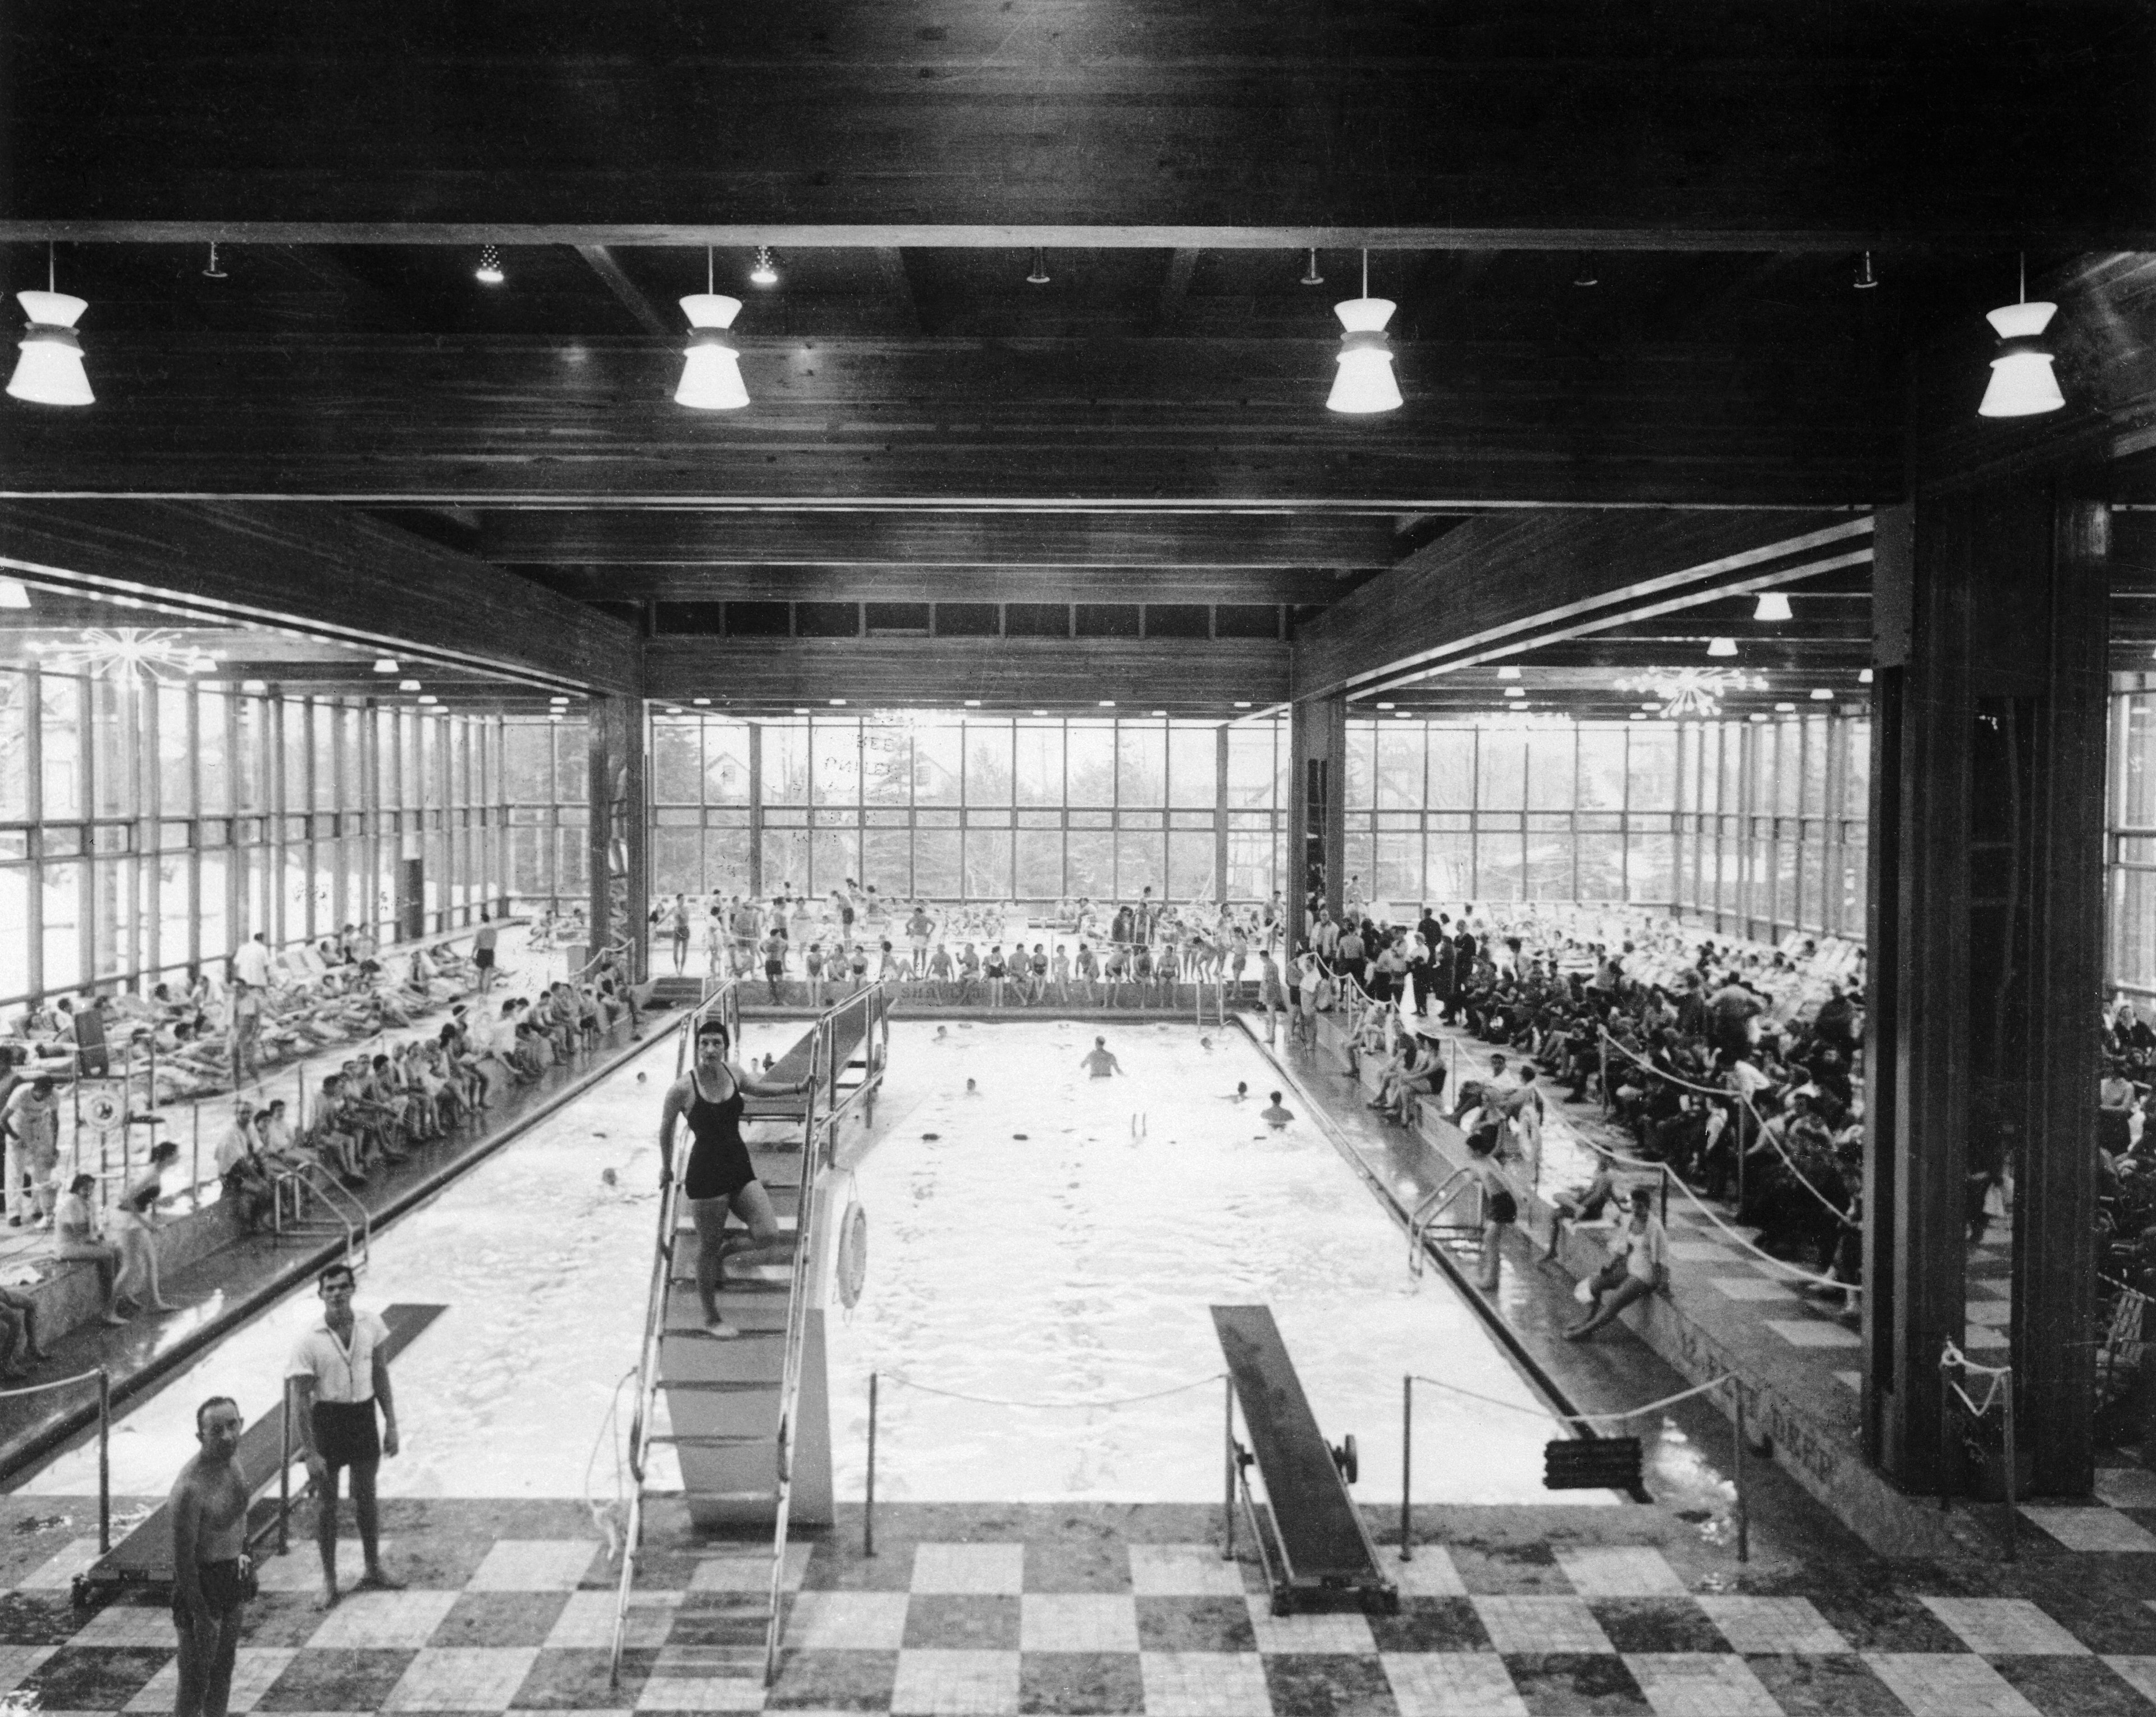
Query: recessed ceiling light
(1384, 705)
(673, 709)
(1636, 716)
(1508, 672)
(1757, 716)
(1772, 606)
(1820, 694)
(700, 701)
(1243, 703)
(1722, 646)
(764, 273)
(800, 712)
(1515, 691)
(408, 685)
(1040, 712)
(428, 698)
(973, 703)
(1108, 703)
(14, 593)
(253, 685)
(557, 698)
(489, 271)
(385, 665)
(1401, 715)
(838, 703)
(1864, 676)
(1160, 712)
(1784, 709)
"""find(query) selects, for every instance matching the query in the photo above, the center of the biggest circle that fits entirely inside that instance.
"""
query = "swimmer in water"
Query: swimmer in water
(1276, 1115)
(1101, 1064)
(1242, 1091)
(970, 1090)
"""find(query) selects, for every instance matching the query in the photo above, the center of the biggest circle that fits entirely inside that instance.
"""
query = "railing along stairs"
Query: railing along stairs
(744, 1410)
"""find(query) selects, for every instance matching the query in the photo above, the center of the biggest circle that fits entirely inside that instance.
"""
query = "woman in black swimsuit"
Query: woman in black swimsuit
(720, 1176)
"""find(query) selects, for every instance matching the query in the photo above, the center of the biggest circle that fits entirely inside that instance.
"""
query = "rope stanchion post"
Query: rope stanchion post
(1666, 1198)
(2006, 1475)
(285, 1478)
(1743, 1503)
(104, 1461)
(868, 1513)
(1407, 1469)
(1227, 1489)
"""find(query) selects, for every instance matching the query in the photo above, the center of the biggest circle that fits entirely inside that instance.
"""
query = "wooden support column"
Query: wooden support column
(619, 834)
(1317, 818)
(1986, 956)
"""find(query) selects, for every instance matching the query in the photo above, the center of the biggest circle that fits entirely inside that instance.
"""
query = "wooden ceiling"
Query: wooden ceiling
(1624, 239)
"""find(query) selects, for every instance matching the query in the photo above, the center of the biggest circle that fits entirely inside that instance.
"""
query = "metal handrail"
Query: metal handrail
(319, 1181)
(1424, 1217)
(724, 1000)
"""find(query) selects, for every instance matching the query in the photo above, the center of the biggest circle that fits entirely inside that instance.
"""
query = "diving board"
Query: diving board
(143, 1559)
(1318, 1545)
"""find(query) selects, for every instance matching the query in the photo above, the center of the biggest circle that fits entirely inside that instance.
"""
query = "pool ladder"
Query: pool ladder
(1423, 1224)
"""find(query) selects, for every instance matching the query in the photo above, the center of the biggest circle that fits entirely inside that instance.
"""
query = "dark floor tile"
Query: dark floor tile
(1096, 1564)
(833, 1681)
(1881, 1618)
(501, 1618)
(889, 1570)
(1836, 1686)
(1081, 1681)
(96, 1678)
(1506, 1569)
(961, 1622)
(1329, 1684)
(1657, 1625)
(1431, 1625)
(1195, 1624)
(2074, 1687)
(280, 1618)
(38, 1618)
(577, 1680)
(1577, 1684)
(343, 1680)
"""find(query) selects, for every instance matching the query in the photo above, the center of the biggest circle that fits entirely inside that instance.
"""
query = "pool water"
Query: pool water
(1053, 1239)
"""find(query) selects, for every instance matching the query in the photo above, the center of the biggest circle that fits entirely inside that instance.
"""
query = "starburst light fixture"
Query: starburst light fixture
(160, 653)
(1691, 693)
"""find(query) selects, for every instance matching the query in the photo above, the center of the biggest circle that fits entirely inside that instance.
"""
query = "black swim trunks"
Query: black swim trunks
(345, 1434)
(224, 1588)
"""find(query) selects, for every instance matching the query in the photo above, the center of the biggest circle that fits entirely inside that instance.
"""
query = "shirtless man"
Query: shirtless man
(1100, 1064)
(209, 1533)
(1276, 1114)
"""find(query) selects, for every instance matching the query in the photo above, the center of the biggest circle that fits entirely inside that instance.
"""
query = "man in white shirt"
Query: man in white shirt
(250, 965)
(336, 1375)
(1639, 1264)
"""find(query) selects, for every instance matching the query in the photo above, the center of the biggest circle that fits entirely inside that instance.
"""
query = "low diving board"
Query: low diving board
(143, 1559)
(1318, 1546)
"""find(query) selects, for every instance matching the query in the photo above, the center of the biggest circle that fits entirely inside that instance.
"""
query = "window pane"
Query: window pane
(175, 754)
(837, 762)
(1498, 858)
(1091, 766)
(1451, 768)
(938, 754)
(59, 702)
(1653, 766)
(1501, 771)
(1549, 773)
(1251, 859)
(887, 766)
(14, 752)
(112, 726)
(988, 772)
(1251, 768)
(1039, 767)
(527, 753)
(327, 717)
(676, 861)
(1190, 856)
(1399, 858)
(1601, 768)
(114, 927)
(1549, 858)
(1358, 782)
(1193, 765)
(572, 767)
(1089, 864)
(63, 910)
(1141, 861)
(937, 874)
(988, 861)
(1399, 749)
(725, 762)
(1448, 868)
(1142, 766)
(786, 862)
(886, 863)
(677, 762)
(1039, 858)
(1649, 863)
(14, 940)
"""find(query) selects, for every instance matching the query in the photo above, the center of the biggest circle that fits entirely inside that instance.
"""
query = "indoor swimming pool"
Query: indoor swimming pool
(1057, 1239)
(1050, 1238)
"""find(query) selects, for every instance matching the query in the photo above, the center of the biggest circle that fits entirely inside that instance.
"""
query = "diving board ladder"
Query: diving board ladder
(749, 1418)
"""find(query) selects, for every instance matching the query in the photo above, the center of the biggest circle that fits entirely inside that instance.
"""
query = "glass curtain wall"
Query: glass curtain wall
(975, 807)
(2130, 841)
(147, 827)
(1758, 826)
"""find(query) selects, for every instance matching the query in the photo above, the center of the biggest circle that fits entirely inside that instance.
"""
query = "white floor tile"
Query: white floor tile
(1206, 1684)
(1327, 1631)
(2127, 1487)
(1780, 1626)
(1078, 1622)
(1619, 1571)
(2093, 1529)
(1518, 1625)
(847, 1621)
(1452, 1684)
(1701, 1684)
(1810, 1332)
(534, 1565)
(462, 1678)
(586, 1622)
(1945, 1684)
(955, 1685)
(1166, 1570)
(383, 1619)
(2005, 1627)
(1749, 1288)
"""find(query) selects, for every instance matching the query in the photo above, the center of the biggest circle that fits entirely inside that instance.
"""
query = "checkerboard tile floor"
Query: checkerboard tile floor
(973, 1617)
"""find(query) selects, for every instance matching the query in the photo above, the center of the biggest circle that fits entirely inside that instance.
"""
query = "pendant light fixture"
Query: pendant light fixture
(766, 272)
(489, 273)
(214, 272)
(1311, 277)
(1866, 281)
(1773, 605)
(1039, 277)
(50, 371)
(711, 378)
(1722, 646)
(1364, 382)
(2022, 384)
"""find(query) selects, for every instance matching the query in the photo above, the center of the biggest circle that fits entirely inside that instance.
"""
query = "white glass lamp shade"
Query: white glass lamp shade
(711, 377)
(1722, 646)
(1364, 382)
(50, 371)
(1773, 605)
(2022, 384)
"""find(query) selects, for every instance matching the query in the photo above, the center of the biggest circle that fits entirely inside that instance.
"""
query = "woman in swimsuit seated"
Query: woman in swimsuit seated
(720, 1176)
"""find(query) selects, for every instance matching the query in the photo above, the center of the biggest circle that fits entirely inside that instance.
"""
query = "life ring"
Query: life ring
(853, 1255)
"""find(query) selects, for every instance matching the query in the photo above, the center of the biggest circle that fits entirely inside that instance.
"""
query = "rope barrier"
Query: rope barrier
(989, 1400)
(56, 1383)
(1952, 1357)
(1639, 1412)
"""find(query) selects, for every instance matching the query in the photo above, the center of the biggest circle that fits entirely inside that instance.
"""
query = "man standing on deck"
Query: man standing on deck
(1101, 1063)
(336, 1375)
(209, 1532)
(482, 950)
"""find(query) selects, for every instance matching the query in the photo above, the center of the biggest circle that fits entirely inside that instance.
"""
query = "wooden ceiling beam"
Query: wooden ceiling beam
(916, 541)
(1261, 587)
(325, 572)
(1135, 674)
(1498, 586)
